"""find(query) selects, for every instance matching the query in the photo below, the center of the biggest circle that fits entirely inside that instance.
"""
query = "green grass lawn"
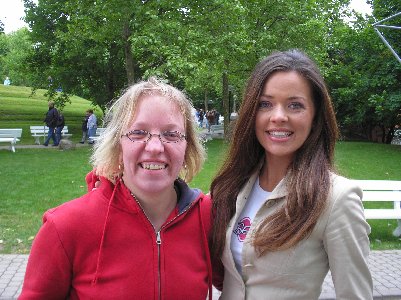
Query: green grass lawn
(34, 180)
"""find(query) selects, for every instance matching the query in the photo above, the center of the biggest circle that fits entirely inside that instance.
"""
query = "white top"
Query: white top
(92, 121)
(256, 199)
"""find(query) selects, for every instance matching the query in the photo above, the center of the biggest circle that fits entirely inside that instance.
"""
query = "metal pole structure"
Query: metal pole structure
(390, 27)
(388, 18)
(388, 45)
(378, 24)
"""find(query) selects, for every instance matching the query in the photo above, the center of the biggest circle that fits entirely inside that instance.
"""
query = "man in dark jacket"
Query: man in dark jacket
(60, 126)
(51, 122)
(85, 128)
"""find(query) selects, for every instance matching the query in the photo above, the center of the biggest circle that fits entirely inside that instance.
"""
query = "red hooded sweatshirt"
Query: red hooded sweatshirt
(102, 246)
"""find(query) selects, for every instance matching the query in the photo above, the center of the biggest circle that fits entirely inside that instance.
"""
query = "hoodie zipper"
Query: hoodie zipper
(158, 237)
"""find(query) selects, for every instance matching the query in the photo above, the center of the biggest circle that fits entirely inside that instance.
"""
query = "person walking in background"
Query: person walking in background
(7, 81)
(201, 116)
(282, 217)
(60, 126)
(216, 117)
(51, 120)
(143, 233)
(85, 128)
(210, 119)
(92, 125)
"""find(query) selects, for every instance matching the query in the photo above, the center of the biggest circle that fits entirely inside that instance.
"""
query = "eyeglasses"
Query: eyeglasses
(165, 137)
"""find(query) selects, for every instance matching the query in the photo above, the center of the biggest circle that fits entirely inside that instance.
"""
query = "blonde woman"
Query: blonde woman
(143, 233)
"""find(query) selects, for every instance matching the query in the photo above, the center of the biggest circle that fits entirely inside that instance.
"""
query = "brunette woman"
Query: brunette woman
(283, 218)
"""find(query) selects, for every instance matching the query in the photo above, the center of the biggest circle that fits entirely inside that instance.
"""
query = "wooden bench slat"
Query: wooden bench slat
(99, 132)
(38, 131)
(381, 191)
(10, 135)
(380, 213)
(379, 185)
(381, 196)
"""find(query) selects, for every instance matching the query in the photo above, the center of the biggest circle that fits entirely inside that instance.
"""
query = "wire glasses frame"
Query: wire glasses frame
(143, 136)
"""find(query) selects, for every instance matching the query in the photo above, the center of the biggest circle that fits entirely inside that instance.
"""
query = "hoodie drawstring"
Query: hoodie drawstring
(95, 278)
(204, 240)
(206, 246)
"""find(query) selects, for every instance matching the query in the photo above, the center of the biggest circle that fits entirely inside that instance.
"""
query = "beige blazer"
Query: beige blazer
(339, 242)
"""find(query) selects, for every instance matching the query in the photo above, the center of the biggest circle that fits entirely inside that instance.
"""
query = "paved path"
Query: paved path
(17, 146)
(384, 265)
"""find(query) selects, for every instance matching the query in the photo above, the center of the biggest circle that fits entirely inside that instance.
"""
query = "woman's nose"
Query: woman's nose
(278, 114)
(154, 144)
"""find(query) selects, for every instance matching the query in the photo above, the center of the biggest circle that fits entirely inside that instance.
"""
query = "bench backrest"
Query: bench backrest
(11, 132)
(219, 127)
(65, 129)
(380, 190)
(39, 129)
(100, 130)
(44, 129)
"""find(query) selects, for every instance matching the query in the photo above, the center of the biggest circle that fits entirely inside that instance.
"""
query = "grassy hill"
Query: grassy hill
(19, 108)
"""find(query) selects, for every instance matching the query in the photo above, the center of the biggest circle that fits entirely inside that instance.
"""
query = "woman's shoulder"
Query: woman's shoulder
(77, 211)
(206, 199)
(344, 192)
(341, 182)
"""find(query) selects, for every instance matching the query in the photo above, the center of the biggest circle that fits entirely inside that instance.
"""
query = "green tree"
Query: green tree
(94, 49)
(364, 80)
(15, 49)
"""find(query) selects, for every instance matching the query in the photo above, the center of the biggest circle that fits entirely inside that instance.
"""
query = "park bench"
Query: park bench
(217, 131)
(10, 135)
(99, 132)
(381, 191)
(41, 131)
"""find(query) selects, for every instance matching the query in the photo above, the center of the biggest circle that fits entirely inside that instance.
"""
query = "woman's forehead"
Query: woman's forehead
(158, 109)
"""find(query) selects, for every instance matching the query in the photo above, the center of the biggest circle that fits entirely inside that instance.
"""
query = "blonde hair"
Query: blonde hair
(107, 149)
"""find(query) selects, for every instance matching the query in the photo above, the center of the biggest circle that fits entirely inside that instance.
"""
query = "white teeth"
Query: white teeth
(153, 166)
(279, 134)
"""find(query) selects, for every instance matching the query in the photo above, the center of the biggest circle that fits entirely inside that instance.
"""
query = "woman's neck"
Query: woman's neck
(157, 207)
(272, 172)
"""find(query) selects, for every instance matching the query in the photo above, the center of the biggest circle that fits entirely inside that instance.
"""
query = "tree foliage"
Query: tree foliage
(15, 50)
(364, 78)
(95, 49)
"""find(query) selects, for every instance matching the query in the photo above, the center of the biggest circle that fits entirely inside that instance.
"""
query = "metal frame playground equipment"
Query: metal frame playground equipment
(380, 25)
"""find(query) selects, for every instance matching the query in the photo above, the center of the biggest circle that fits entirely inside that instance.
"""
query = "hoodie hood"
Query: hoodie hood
(186, 195)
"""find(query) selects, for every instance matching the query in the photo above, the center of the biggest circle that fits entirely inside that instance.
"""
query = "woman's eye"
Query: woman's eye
(138, 133)
(264, 104)
(172, 134)
(296, 105)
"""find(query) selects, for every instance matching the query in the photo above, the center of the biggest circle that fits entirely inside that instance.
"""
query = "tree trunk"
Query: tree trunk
(226, 102)
(206, 101)
(111, 84)
(390, 135)
(129, 59)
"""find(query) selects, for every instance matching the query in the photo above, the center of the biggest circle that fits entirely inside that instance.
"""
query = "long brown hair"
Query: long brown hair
(308, 176)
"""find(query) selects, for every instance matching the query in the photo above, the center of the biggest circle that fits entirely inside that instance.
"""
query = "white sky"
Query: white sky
(358, 5)
(11, 12)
